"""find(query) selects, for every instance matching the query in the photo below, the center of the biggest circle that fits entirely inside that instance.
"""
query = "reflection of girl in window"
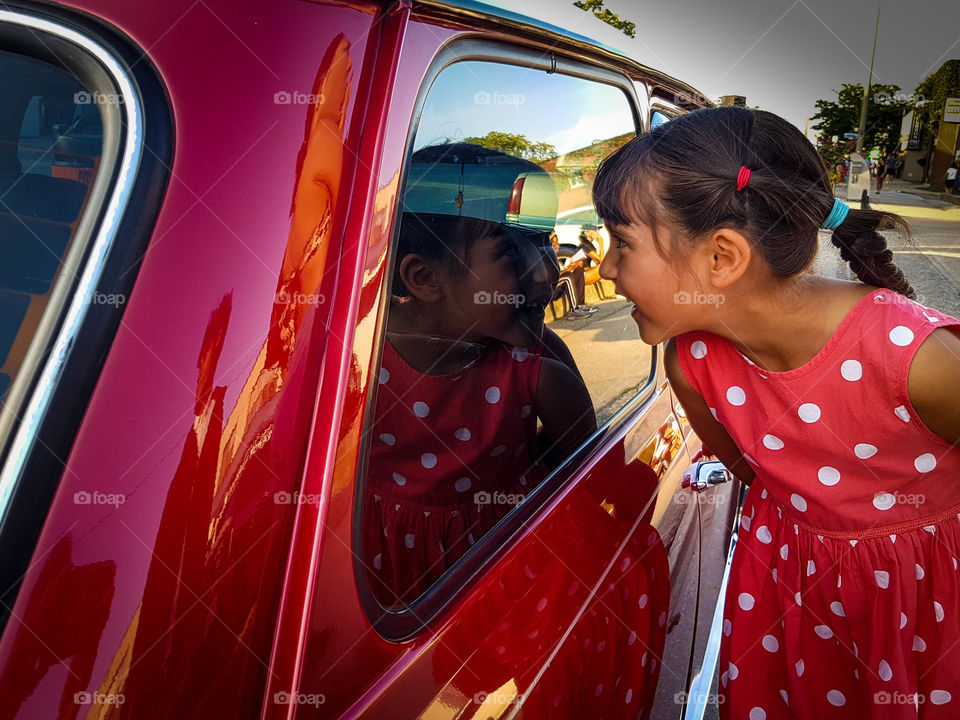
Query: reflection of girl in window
(464, 378)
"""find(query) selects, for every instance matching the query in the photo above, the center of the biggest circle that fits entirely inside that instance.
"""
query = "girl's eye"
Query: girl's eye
(620, 243)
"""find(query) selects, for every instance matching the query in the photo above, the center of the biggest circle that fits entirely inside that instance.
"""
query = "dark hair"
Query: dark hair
(685, 172)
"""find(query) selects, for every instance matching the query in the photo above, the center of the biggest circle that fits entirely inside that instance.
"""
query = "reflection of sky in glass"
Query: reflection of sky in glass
(470, 99)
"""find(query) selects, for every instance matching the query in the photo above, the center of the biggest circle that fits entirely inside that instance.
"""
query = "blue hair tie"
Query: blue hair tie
(838, 213)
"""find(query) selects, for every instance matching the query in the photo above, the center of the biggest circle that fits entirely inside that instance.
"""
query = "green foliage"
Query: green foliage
(836, 117)
(516, 145)
(936, 88)
(611, 18)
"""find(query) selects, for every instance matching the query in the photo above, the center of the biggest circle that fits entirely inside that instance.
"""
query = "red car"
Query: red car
(286, 428)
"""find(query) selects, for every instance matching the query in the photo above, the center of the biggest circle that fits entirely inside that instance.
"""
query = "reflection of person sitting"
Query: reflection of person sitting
(464, 379)
(574, 271)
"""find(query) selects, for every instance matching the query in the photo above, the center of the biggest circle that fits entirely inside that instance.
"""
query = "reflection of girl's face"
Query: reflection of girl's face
(502, 294)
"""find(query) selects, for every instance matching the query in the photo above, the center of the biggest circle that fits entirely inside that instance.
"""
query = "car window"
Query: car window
(658, 118)
(50, 146)
(490, 374)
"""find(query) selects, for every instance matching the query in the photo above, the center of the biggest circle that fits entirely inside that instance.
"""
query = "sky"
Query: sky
(783, 55)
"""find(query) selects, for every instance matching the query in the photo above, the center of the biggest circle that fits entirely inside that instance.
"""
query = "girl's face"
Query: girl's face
(503, 292)
(663, 292)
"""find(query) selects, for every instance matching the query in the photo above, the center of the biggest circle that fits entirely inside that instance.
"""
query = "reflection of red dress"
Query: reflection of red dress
(450, 456)
(844, 597)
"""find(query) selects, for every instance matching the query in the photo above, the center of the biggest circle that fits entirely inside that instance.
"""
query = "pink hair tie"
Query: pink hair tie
(743, 177)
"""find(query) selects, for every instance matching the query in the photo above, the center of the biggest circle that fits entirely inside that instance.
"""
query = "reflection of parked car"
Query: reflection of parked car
(190, 342)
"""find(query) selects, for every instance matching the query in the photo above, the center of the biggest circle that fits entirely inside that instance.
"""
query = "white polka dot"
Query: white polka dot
(384, 376)
(698, 349)
(798, 502)
(882, 577)
(525, 411)
(851, 370)
(520, 354)
(462, 485)
(836, 607)
(388, 438)
(797, 599)
(828, 475)
(811, 568)
(836, 698)
(713, 412)
(919, 571)
(745, 522)
(758, 713)
(428, 460)
(462, 434)
(883, 501)
(735, 395)
(938, 611)
(642, 602)
(940, 697)
(421, 409)
(783, 694)
(823, 631)
(925, 463)
(884, 671)
(772, 442)
(661, 621)
(750, 459)
(599, 690)
(919, 644)
(492, 395)
(408, 540)
(901, 335)
(629, 696)
(864, 450)
(763, 535)
(809, 412)
(399, 479)
(774, 573)
(784, 551)
(903, 620)
(746, 601)
(770, 643)
(902, 413)
(733, 671)
(498, 451)
(799, 667)
(724, 678)
(727, 627)
(632, 637)
(378, 561)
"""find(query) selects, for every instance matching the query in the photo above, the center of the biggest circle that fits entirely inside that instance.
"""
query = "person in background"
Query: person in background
(951, 177)
(881, 174)
(574, 270)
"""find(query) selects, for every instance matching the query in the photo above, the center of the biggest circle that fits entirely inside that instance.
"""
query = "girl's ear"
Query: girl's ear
(727, 254)
(421, 278)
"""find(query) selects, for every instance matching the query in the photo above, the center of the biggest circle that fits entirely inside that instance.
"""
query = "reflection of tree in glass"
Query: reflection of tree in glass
(516, 145)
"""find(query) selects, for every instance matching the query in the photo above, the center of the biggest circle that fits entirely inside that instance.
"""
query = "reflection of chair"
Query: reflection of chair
(563, 291)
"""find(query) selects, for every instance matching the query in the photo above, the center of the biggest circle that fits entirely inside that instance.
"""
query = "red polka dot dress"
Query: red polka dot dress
(844, 595)
(450, 456)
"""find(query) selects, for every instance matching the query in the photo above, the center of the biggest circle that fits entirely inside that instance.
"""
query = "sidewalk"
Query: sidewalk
(903, 192)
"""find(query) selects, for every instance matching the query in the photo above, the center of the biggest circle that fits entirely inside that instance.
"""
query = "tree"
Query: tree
(516, 145)
(935, 89)
(884, 114)
(611, 18)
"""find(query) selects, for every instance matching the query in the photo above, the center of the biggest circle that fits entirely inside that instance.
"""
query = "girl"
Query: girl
(836, 401)
(467, 371)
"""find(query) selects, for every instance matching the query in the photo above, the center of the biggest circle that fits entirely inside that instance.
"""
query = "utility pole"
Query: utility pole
(866, 93)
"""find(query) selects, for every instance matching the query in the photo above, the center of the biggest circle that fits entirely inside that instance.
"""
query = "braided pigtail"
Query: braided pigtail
(865, 249)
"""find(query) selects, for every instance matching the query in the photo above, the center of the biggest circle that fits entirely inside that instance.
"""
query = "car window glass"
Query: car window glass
(50, 145)
(658, 118)
(497, 362)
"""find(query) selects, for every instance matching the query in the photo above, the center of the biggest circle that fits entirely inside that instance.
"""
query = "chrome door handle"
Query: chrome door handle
(705, 474)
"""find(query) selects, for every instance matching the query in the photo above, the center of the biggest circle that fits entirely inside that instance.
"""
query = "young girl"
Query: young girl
(468, 369)
(836, 401)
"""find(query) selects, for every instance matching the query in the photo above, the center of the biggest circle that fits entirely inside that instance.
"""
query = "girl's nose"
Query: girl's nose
(608, 268)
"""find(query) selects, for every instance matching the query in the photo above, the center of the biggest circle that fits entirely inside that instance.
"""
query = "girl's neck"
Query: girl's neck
(428, 349)
(783, 330)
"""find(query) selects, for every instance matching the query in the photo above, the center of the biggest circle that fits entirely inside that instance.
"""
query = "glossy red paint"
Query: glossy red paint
(229, 418)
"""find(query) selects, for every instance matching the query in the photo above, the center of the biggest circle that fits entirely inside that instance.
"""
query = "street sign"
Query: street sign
(951, 110)
(850, 136)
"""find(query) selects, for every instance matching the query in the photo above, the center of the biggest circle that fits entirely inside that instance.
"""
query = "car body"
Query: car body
(189, 384)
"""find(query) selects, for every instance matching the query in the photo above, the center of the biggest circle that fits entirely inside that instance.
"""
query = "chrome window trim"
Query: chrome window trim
(130, 155)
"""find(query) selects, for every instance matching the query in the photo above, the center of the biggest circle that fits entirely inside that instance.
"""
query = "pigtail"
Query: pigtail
(865, 249)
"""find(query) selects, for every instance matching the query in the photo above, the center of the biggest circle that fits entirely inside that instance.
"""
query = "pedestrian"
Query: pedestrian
(881, 174)
(892, 162)
(573, 269)
(834, 400)
(951, 176)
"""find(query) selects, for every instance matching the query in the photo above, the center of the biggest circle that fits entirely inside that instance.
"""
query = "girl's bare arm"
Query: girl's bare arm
(934, 383)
